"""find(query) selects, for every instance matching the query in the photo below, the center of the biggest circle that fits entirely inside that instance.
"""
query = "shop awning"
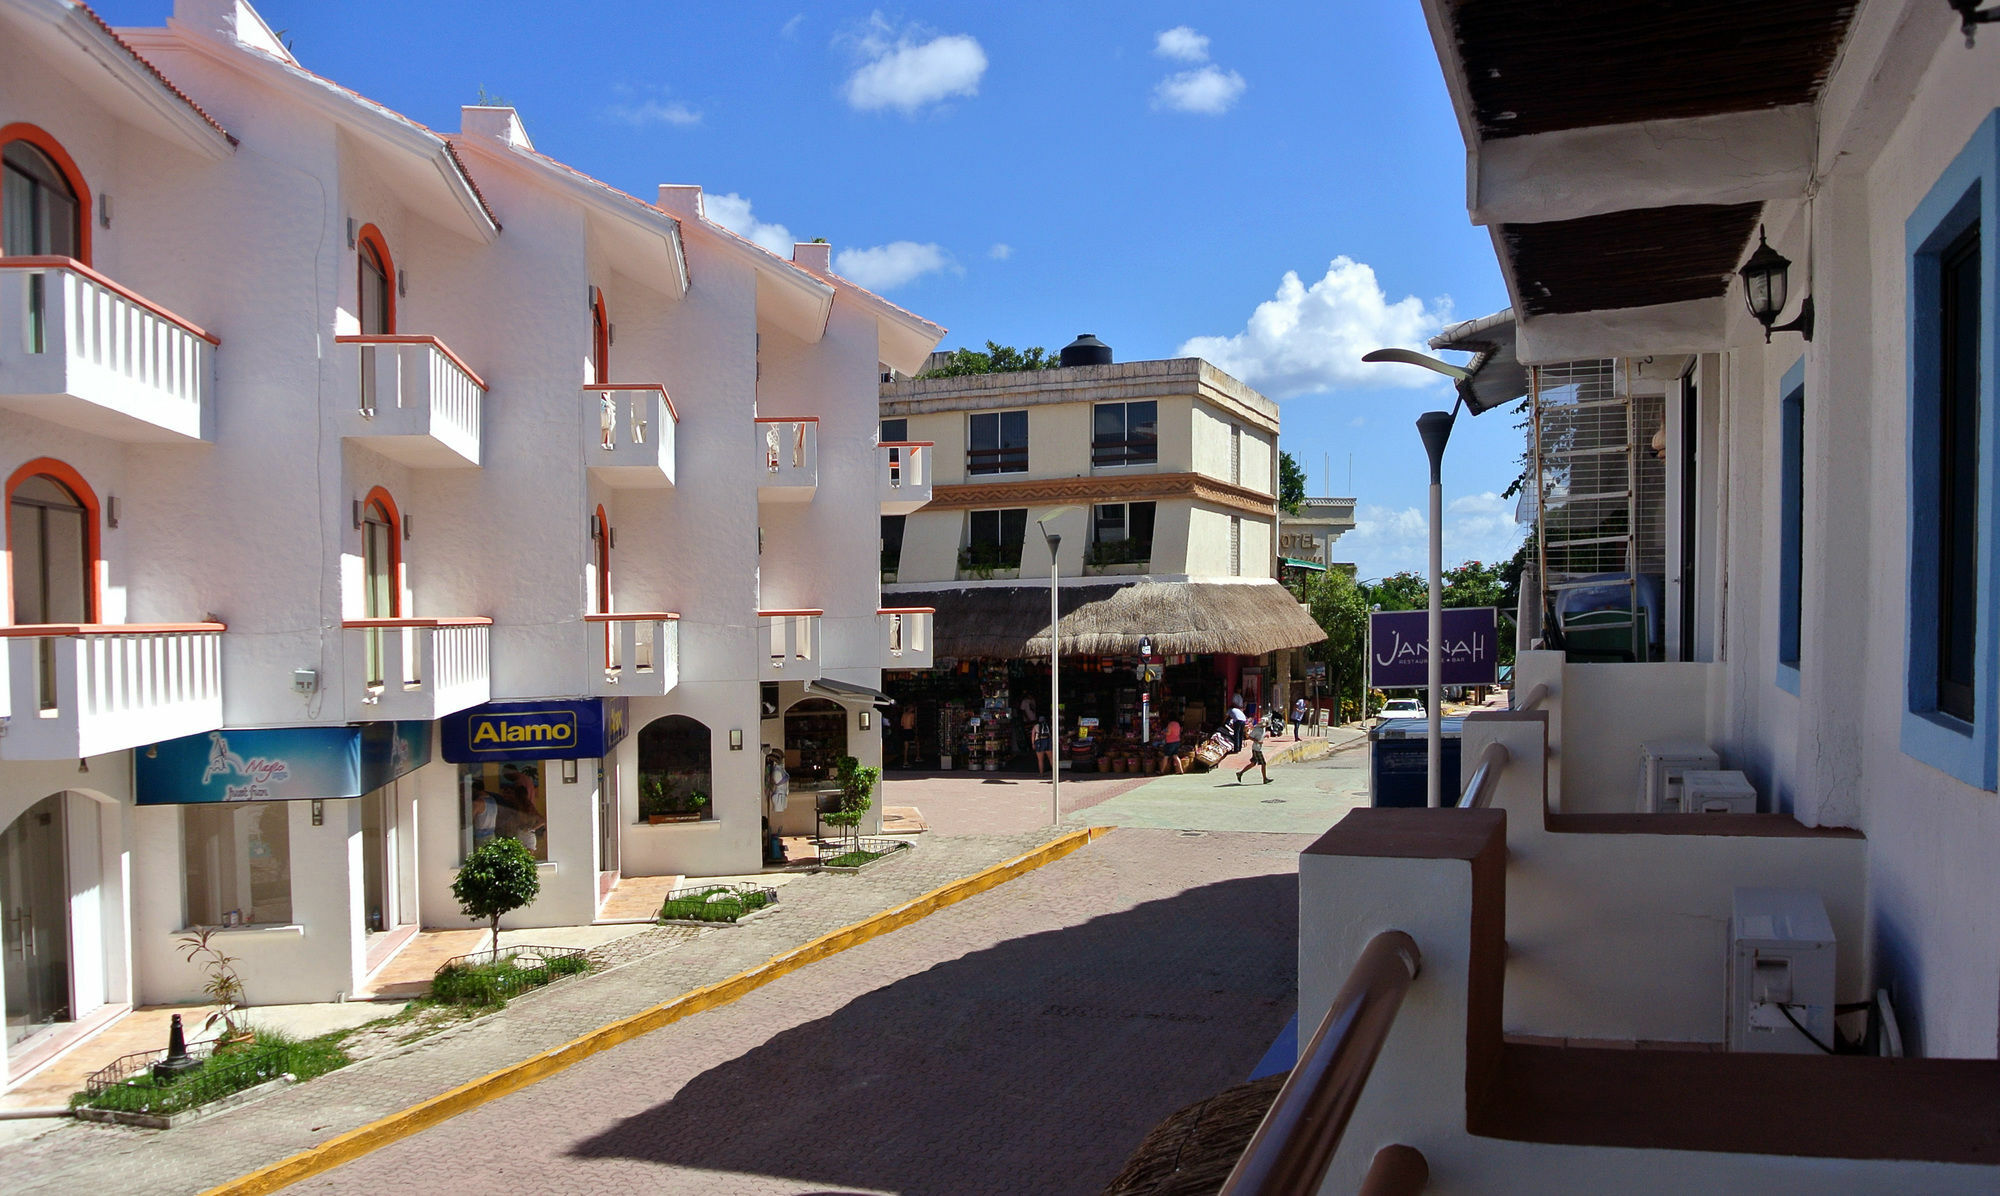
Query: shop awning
(279, 763)
(1315, 566)
(847, 691)
(1181, 618)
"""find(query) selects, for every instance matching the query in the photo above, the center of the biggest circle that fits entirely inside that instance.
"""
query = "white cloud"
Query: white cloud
(908, 68)
(887, 266)
(1477, 527)
(648, 113)
(1308, 339)
(1001, 251)
(792, 26)
(1182, 43)
(732, 211)
(1209, 90)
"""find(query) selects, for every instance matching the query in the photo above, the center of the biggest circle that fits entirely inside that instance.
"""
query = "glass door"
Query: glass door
(34, 892)
(49, 529)
(607, 817)
(378, 567)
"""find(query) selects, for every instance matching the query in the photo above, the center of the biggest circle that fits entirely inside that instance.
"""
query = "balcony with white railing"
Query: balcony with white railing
(630, 442)
(636, 655)
(903, 475)
(906, 636)
(80, 690)
(791, 641)
(415, 668)
(78, 349)
(787, 459)
(412, 399)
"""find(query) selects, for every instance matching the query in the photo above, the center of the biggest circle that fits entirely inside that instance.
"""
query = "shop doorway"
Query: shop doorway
(815, 740)
(607, 819)
(382, 908)
(34, 892)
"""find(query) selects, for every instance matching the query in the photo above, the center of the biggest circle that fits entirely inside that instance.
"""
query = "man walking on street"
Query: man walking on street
(1255, 731)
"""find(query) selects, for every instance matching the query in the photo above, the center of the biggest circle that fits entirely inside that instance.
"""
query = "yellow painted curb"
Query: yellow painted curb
(353, 1144)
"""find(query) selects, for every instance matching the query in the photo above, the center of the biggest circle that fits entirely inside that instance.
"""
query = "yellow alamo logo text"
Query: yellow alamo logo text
(491, 731)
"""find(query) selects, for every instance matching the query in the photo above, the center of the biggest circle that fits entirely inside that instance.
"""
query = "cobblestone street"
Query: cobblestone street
(1022, 1041)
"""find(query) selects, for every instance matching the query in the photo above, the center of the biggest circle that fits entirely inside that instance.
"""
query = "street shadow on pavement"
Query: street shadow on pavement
(1036, 1065)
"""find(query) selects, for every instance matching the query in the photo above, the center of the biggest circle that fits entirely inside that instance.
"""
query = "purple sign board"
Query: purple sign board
(1398, 643)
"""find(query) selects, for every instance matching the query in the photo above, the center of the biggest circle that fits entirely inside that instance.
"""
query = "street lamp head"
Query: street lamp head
(1435, 428)
(1412, 357)
(1050, 516)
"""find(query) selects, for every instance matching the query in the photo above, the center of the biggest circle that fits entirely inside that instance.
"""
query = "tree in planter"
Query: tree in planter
(497, 879)
(221, 984)
(857, 790)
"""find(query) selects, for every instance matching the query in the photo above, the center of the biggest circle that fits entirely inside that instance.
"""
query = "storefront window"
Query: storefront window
(503, 801)
(239, 863)
(815, 740)
(674, 778)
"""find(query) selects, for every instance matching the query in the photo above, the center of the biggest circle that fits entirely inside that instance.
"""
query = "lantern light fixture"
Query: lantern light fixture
(1766, 282)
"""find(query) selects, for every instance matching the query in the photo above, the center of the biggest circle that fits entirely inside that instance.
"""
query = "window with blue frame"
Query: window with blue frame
(1950, 715)
(1792, 523)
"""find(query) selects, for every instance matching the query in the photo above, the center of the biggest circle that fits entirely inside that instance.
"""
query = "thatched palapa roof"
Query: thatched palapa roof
(1181, 618)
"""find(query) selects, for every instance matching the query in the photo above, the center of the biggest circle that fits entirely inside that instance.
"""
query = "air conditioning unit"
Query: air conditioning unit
(1717, 791)
(1661, 765)
(1780, 972)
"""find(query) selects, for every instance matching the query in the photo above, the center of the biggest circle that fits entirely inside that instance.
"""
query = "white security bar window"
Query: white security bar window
(239, 863)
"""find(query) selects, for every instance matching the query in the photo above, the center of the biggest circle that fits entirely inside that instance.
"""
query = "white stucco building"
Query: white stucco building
(322, 431)
(1825, 621)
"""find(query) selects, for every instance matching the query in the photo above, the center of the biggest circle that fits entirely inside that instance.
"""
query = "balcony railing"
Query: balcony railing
(78, 349)
(639, 654)
(414, 400)
(1296, 1142)
(79, 690)
(415, 668)
(1143, 451)
(630, 442)
(787, 459)
(791, 641)
(903, 475)
(997, 460)
(906, 636)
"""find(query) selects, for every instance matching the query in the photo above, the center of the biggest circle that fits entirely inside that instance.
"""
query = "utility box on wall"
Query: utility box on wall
(1661, 765)
(1781, 968)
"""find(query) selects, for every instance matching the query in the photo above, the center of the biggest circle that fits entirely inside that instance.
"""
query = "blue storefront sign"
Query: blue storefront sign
(279, 763)
(549, 730)
(1399, 641)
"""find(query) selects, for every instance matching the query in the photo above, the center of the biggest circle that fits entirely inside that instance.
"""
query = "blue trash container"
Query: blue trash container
(1399, 756)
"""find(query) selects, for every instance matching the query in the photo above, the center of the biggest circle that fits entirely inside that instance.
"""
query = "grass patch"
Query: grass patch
(488, 983)
(853, 859)
(716, 903)
(229, 1070)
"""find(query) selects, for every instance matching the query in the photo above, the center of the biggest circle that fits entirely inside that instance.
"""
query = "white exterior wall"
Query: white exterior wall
(256, 528)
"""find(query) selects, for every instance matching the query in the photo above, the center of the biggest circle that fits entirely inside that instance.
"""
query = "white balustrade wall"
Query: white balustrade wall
(91, 692)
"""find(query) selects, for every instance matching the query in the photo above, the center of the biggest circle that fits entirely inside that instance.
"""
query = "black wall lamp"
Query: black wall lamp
(1765, 281)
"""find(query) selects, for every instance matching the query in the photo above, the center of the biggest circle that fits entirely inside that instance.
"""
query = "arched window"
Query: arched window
(52, 543)
(381, 571)
(375, 303)
(674, 778)
(600, 340)
(600, 561)
(44, 204)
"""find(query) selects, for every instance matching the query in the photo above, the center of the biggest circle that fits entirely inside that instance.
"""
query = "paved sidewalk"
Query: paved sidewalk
(1303, 798)
(80, 1157)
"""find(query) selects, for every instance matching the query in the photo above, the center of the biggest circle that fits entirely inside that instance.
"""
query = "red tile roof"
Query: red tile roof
(155, 72)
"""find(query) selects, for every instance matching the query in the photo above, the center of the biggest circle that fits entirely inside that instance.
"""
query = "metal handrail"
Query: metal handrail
(1479, 790)
(1534, 697)
(1295, 1143)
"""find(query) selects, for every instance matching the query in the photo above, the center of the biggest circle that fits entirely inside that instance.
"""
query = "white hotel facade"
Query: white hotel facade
(324, 431)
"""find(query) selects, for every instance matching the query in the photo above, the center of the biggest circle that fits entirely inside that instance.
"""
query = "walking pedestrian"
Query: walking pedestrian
(1256, 732)
(1237, 721)
(1298, 716)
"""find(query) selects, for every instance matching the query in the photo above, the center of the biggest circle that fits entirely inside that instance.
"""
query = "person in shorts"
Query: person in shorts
(1170, 742)
(1254, 731)
(1042, 745)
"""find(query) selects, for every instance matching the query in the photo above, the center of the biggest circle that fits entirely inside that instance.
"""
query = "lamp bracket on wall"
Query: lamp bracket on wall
(1803, 325)
(1971, 17)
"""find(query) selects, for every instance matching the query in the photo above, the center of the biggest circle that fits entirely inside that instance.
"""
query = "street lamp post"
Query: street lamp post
(1055, 668)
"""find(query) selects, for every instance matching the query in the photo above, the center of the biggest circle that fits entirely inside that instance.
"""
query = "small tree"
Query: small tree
(220, 982)
(1291, 484)
(497, 879)
(857, 789)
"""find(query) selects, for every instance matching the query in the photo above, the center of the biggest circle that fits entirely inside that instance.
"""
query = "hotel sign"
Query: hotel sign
(499, 731)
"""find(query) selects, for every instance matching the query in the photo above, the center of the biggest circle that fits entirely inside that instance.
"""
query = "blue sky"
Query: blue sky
(1275, 186)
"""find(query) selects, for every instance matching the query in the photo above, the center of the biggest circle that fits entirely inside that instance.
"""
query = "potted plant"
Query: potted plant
(661, 800)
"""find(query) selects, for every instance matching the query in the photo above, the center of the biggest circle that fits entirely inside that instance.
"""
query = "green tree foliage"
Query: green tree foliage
(496, 879)
(997, 359)
(857, 789)
(1291, 484)
(1340, 607)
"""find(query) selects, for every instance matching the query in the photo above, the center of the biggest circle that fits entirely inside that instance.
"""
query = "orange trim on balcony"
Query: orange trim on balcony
(397, 338)
(785, 419)
(627, 616)
(362, 624)
(70, 263)
(906, 610)
(640, 386)
(906, 444)
(766, 614)
(53, 630)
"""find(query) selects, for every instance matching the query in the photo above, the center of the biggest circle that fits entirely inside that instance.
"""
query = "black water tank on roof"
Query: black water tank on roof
(1086, 350)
